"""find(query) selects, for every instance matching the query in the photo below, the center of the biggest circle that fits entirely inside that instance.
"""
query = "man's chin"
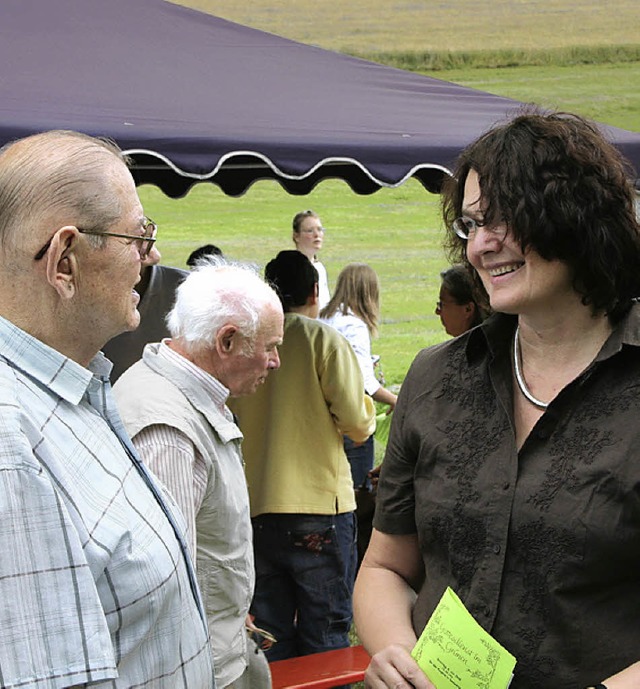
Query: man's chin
(248, 390)
(134, 321)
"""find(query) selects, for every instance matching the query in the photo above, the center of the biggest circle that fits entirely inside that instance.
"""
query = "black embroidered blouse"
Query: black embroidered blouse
(542, 545)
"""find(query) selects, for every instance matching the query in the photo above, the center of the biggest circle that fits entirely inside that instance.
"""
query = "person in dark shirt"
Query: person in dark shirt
(203, 252)
(511, 473)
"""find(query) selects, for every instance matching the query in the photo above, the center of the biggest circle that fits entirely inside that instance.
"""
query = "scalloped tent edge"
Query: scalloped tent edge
(236, 173)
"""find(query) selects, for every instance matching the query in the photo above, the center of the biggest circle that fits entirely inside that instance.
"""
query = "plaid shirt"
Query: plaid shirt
(95, 581)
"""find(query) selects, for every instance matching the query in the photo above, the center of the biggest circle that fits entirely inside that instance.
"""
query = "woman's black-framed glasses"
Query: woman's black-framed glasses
(466, 227)
(144, 241)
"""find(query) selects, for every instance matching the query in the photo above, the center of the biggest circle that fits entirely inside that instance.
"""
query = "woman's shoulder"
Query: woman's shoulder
(435, 359)
(319, 266)
(339, 319)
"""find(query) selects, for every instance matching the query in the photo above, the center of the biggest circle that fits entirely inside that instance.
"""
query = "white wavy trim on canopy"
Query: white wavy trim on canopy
(284, 175)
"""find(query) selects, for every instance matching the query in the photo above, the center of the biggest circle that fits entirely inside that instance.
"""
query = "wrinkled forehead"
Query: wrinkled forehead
(119, 177)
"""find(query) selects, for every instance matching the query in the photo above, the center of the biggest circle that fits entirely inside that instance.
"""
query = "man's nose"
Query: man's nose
(152, 258)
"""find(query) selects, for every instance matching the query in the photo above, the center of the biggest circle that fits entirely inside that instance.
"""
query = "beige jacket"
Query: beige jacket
(152, 392)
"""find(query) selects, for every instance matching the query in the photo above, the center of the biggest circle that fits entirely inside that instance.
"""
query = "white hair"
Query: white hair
(215, 294)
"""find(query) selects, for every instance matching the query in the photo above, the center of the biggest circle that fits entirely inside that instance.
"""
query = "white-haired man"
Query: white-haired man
(226, 326)
(96, 584)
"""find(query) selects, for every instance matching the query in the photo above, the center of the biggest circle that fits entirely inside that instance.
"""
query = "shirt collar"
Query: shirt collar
(493, 334)
(626, 332)
(218, 392)
(61, 375)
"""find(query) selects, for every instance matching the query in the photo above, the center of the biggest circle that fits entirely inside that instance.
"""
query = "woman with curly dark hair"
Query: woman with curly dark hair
(512, 472)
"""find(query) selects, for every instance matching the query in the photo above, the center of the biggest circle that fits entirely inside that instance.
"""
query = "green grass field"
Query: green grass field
(603, 92)
(398, 231)
(373, 26)
(395, 231)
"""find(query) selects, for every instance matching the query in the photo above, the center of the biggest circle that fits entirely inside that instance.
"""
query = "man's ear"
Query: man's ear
(227, 340)
(62, 262)
(314, 297)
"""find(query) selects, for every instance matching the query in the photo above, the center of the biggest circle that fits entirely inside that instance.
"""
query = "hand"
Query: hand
(374, 476)
(250, 622)
(262, 638)
(394, 668)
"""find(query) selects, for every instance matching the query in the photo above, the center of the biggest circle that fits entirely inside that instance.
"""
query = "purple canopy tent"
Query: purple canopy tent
(194, 98)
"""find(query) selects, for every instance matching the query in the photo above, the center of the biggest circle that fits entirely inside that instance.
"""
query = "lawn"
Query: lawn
(603, 92)
(369, 26)
(396, 231)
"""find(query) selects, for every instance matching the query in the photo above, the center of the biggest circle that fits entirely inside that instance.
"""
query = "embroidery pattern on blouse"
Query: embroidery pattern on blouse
(467, 450)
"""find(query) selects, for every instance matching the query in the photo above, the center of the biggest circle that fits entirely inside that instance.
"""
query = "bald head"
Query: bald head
(51, 179)
(59, 191)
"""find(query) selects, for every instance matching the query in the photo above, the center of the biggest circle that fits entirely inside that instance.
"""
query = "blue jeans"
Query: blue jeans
(361, 459)
(305, 572)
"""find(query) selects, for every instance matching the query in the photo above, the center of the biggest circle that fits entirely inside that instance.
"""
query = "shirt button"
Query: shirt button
(487, 611)
(506, 485)
(496, 548)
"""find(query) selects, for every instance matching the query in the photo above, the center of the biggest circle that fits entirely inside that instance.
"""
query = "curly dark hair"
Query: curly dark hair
(563, 190)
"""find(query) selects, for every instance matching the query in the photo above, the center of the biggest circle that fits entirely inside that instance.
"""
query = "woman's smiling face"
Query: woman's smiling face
(516, 281)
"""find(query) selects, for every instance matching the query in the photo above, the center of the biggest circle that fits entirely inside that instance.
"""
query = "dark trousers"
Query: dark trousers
(305, 572)
(360, 460)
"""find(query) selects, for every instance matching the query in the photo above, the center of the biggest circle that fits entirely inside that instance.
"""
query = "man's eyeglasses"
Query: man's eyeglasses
(262, 638)
(144, 241)
(466, 227)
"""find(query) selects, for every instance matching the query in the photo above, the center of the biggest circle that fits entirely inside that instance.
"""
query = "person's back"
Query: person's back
(293, 425)
(300, 486)
(156, 299)
(353, 311)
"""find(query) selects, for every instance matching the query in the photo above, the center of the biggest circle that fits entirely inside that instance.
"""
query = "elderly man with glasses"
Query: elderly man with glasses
(96, 583)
